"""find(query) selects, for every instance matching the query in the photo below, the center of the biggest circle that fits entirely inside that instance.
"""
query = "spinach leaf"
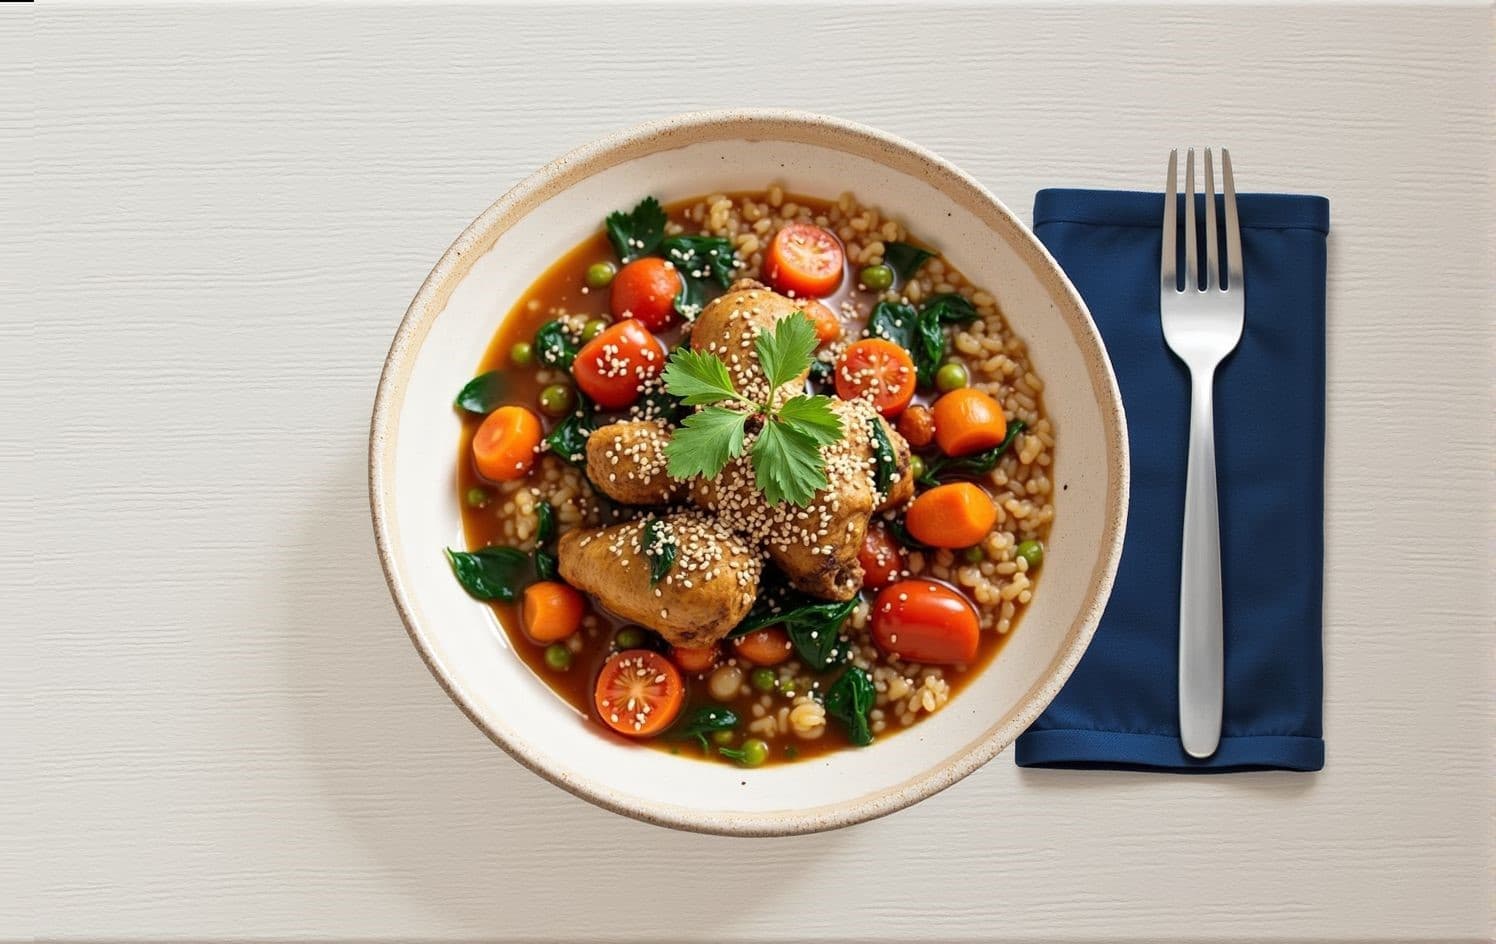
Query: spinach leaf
(950, 308)
(900, 531)
(637, 232)
(691, 298)
(814, 626)
(702, 257)
(483, 393)
(492, 573)
(822, 373)
(929, 347)
(545, 522)
(554, 346)
(545, 565)
(885, 460)
(893, 321)
(569, 439)
(659, 549)
(849, 700)
(904, 259)
(974, 464)
(703, 721)
(657, 404)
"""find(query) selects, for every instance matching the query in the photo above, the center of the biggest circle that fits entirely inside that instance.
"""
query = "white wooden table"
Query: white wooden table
(215, 726)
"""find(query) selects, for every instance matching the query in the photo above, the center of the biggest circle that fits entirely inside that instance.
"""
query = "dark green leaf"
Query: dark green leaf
(785, 351)
(904, 259)
(885, 459)
(545, 522)
(656, 404)
(554, 346)
(703, 721)
(929, 347)
(637, 232)
(900, 531)
(965, 466)
(545, 565)
(951, 308)
(734, 753)
(704, 443)
(659, 548)
(698, 378)
(893, 321)
(814, 417)
(787, 465)
(569, 439)
(814, 626)
(492, 573)
(691, 298)
(483, 393)
(850, 700)
(822, 373)
(701, 257)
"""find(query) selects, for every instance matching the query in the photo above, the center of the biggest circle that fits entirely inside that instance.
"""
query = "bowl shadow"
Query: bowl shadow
(470, 835)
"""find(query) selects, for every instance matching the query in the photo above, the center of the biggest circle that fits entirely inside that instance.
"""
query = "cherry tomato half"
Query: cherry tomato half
(611, 366)
(804, 260)
(879, 371)
(880, 556)
(927, 622)
(639, 692)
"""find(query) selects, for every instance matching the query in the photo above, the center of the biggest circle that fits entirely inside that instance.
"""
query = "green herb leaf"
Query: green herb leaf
(893, 321)
(850, 700)
(545, 522)
(814, 417)
(659, 549)
(704, 443)
(785, 351)
(929, 347)
(950, 308)
(701, 257)
(900, 531)
(904, 258)
(885, 460)
(492, 573)
(703, 721)
(734, 753)
(569, 439)
(814, 626)
(691, 298)
(787, 465)
(483, 393)
(943, 467)
(698, 378)
(637, 232)
(554, 346)
(545, 565)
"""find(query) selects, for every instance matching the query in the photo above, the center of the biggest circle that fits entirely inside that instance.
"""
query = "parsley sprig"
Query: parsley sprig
(786, 453)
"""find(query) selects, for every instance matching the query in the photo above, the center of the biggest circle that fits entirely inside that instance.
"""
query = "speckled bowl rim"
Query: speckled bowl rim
(751, 124)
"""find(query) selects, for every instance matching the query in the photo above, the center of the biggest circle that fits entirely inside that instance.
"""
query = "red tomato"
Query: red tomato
(804, 260)
(611, 366)
(639, 693)
(646, 289)
(879, 371)
(923, 621)
(880, 556)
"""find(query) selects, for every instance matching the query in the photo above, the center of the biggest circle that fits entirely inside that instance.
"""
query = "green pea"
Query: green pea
(951, 376)
(476, 497)
(724, 737)
(593, 328)
(1031, 551)
(755, 752)
(522, 354)
(630, 637)
(916, 466)
(876, 277)
(558, 657)
(558, 399)
(974, 554)
(763, 679)
(600, 274)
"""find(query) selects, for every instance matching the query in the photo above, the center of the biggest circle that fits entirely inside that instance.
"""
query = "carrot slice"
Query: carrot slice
(694, 659)
(770, 646)
(551, 611)
(828, 326)
(956, 515)
(504, 446)
(968, 421)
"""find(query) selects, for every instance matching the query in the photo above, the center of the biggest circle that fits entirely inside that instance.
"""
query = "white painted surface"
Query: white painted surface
(213, 220)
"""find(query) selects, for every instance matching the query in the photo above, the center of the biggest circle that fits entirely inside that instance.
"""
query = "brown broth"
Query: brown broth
(562, 286)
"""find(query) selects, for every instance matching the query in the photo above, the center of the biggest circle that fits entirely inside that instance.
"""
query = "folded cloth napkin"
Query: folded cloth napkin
(1120, 708)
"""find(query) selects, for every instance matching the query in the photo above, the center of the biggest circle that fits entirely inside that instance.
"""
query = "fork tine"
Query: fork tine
(1233, 226)
(1168, 265)
(1190, 255)
(1212, 256)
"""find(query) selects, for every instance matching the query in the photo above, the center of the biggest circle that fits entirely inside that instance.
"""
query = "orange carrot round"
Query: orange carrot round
(968, 421)
(694, 659)
(956, 515)
(504, 446)
(769, 646)
(551, 611)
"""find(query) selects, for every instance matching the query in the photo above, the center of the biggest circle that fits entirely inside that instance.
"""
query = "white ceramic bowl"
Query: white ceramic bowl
(413, 455)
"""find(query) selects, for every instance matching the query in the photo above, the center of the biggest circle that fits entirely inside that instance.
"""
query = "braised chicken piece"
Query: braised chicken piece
(626, 461)
(706, 591)
(727, 327)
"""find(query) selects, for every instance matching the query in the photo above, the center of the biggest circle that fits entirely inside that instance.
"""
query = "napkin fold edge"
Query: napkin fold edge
(1137, 208)
(1116, 750)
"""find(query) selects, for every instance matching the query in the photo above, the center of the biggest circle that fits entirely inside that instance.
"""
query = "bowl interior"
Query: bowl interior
(415, 455)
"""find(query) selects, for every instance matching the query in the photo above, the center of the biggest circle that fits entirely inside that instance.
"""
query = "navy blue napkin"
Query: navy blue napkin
(1120, 708)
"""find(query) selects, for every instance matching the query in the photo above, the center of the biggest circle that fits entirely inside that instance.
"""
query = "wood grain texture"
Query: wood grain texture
(213, 221)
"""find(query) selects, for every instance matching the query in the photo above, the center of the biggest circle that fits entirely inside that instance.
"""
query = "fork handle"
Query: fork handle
(1201, 637)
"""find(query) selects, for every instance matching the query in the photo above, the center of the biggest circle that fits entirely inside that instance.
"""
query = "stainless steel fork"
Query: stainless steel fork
(1202, 324)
